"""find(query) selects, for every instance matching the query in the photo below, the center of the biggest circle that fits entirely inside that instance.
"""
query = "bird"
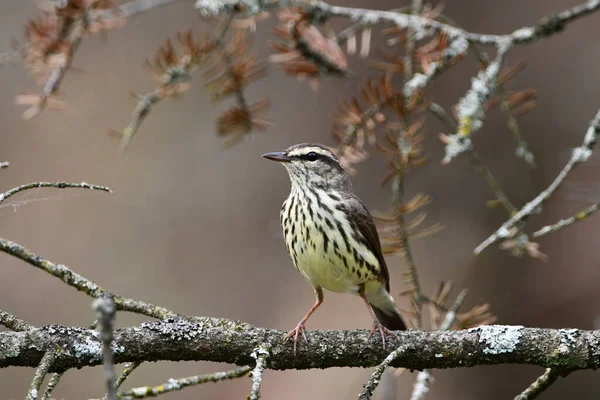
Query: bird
(331, 237)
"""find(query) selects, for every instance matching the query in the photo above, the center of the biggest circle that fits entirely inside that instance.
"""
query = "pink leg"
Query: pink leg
(300, 327)
(376, 324)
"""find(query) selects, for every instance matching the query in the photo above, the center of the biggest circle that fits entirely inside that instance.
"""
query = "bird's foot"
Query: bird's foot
(382, 331)
(299, 330)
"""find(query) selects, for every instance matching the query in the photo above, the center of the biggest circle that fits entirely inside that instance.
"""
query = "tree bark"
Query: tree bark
(222, 340)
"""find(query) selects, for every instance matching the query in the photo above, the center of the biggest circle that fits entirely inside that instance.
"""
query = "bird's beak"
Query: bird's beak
(280, 156)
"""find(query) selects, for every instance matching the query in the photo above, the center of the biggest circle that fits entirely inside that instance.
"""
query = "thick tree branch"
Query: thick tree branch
(222, 340)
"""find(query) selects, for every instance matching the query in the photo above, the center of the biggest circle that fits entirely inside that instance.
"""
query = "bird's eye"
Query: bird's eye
(312, 156)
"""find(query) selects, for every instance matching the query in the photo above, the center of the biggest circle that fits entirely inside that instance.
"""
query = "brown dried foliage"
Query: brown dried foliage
(51, 41)
(305, 51)
(392, 240)
(232, 69)
(518, 102)
(439, 307)
(238, 121)
(228, 69)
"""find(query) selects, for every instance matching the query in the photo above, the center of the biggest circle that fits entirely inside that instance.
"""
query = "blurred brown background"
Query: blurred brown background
(196, 228)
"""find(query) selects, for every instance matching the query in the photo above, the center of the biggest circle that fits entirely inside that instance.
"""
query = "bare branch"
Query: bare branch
(105, 308)
(480, 166)
(174, 385)
(579, 155)
(77, 281)
(491, 181)
(580, 216)
(58, 185)
(455, 51)
(41, 372)
(140, 6)
(54, 380)
(260, 354)
(421, 25)
(12, 322)
(412, 273)
(522, 150)
(421, 387)
(541, 384)
(470, 109)
(415, 9)
(126, 372)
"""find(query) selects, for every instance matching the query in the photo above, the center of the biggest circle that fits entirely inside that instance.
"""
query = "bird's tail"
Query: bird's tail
(386, 310)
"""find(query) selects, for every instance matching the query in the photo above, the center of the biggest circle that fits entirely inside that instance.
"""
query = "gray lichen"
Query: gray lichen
(499, 338)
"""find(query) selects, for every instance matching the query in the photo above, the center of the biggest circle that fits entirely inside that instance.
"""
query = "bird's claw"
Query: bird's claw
(382, 331)
(300, 329)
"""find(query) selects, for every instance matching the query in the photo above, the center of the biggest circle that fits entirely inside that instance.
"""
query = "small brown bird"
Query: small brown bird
(331, 237)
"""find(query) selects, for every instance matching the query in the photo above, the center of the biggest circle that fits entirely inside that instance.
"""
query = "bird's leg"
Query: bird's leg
(300, 327)
(376, 324)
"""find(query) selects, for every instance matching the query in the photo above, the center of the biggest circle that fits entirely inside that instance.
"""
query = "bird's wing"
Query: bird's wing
(363, 222)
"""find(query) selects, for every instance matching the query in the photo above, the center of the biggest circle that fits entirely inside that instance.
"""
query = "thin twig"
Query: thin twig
(58, 185)
(522, 150)
(415, 9)
(260, 354)
(77, 281)
(105, 308)
(491, 181)
(579, 155)
(425, 378)
(441, 114)
(40, 374)
(137, 7)
(13, 323)
(171, 76)
(174, 385)
(470, 109)
(580, 216)
(126, 372)
(422, 25)
(4, 164)
(542, 383)
(375, 377)
(230, 68)
(58, 73)
(480, 166)
(74, 37)
(54, 380)
(413, 276)
(452, 54)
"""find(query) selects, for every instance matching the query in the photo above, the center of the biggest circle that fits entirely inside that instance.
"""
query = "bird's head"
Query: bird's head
(310, 164)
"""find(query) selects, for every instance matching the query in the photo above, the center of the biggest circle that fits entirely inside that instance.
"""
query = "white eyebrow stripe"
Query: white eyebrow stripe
(306, 150)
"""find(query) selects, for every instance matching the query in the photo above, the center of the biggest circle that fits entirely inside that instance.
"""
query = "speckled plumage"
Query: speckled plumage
(330, 234)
